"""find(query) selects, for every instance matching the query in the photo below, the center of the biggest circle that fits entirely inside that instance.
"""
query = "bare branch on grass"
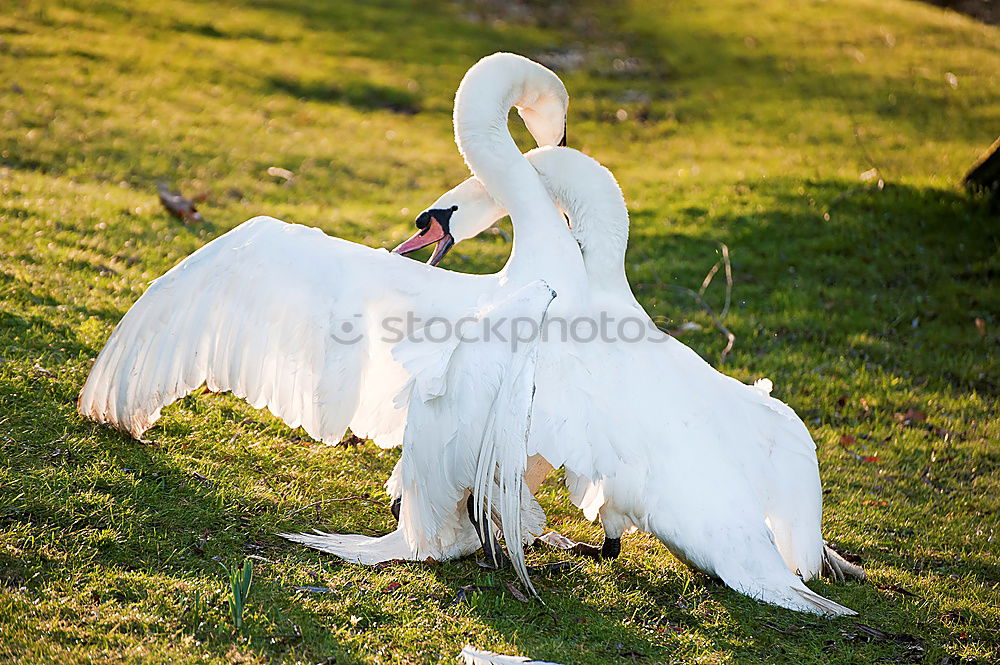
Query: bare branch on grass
(715, 319)
(729, 278)
(698, 297)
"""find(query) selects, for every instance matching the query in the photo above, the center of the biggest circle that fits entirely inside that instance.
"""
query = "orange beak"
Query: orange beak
(432, 233)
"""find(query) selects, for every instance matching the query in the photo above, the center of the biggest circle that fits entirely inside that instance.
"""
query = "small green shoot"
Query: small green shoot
(240, 580)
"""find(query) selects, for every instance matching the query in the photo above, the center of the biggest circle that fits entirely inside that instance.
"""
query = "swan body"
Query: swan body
(291, 319)
(721, 472)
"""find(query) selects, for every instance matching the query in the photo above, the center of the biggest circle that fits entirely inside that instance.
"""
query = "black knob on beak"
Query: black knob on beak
(423, 219)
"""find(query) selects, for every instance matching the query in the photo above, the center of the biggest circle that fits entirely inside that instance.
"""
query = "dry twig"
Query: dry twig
(698, 297)
(715, 319)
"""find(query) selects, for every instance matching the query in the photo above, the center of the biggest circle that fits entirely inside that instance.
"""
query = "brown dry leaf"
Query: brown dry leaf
(390, 563)
(549, 568)
(199, 546)
(867, 633)
(202, 479)
(351, 440)
(848, 556)
(178, 205)
(911, 416)
(980, 326)
(847, 440)
(895, 589)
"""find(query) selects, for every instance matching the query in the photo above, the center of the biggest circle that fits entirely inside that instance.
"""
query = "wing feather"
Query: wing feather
(467, 426)
(254, 312)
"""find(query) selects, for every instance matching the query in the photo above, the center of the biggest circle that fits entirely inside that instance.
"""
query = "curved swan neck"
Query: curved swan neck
(590, 196)
(484, 98)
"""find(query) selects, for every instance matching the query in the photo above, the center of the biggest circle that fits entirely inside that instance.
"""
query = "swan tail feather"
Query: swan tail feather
(791, 594)
(822, 605)
(762, 574)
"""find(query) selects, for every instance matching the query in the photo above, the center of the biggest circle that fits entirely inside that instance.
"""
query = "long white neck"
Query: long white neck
(484, 98)
(593, 201)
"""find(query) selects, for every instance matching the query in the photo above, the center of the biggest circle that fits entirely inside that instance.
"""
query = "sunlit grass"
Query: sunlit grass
(736, 122)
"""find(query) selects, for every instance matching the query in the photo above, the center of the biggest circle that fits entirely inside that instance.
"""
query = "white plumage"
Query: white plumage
(474, 656)
(650, 435)
(469, 404)
(281, 315)
(653, 437)
(294, 320)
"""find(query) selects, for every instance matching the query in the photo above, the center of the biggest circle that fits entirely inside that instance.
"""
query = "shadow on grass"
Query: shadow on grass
(388, 31)
(124, 510)
(362, 95)
(893, 278)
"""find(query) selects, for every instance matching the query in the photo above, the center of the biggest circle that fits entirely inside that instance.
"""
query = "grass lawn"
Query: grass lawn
(875, 310)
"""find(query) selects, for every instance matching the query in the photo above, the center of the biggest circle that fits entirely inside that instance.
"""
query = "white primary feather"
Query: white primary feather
(468, 424)
(474, 656)
(456, 538)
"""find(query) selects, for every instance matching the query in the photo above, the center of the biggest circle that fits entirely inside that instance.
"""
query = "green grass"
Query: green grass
(729, 121)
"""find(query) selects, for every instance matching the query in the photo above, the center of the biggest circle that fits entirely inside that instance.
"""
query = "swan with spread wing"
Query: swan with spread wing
(294, 320)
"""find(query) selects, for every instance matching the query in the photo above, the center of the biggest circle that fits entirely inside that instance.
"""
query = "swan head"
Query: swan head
(543, 102)
(584, 190)
(502, 80)
(459, 214)
(545, 115)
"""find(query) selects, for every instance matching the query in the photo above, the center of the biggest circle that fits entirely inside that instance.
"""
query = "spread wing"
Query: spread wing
(279, 314)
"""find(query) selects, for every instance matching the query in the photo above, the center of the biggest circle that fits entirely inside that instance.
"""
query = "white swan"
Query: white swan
(292, 319)
(725, 475)
(752, 530)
